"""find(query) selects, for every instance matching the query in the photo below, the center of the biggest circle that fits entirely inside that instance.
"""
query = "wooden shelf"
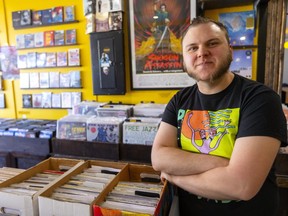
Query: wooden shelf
(45, 25)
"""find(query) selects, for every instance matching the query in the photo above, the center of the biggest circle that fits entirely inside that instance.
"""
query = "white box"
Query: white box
(49, 206)
(140, 130)
(25, 205)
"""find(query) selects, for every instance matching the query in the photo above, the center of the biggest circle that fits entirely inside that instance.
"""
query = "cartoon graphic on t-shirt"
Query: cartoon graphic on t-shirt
(209, 132)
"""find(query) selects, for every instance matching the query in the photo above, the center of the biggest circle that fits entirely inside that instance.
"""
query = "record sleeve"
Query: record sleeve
(27, 100)
(66, 100)
(50, 59)
(62, 59)
(41, 59)
(46, 99)
(49, 38)
(59, 37)
(69, 13)
(75, 79)
(16, 17)
(115, 20)
(70, 36)
(65, 80)
(75, 98)
(24, 80)
(39, 39)
(2, 100)
(31, 59)
(57, 14)
(56, 100)
(90, 23)
(26, 18)
(145, 133)
(54, 79)
(46, 16)
(34, 80)
(37, 100)
(104, 129)
(29, 40)
(22, 61)
(20, 41)
(37, 17)
(74, 57)
(102, 22)
(44, 80)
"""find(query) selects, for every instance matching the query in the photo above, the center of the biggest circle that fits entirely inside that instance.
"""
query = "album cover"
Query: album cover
(57, 14)
(75, 79)
(29, 40)
(27, 100)
(64, 80)
(22, 61)
(66, 100)
(54, 79)
(46, 99)
(59, 37)
(20, 41)
(50, 59)
(240, 27)
(26, 18)
(102, 22)
(16, 17)
(31, 59)
(41, 59)
(46, 16)
(62, 59)
(24, 80)
(89, 7)
(2, 100)
(39, 39)
(37, 100)
(70, 36)
(44, 80)
(37, 17)
(34, 80)
(90, 23)
(115, 20)
(74, 57)
(75, 98)
(108, 5)
(69, 13)
(56, 100)
(49, 38)
(242, 63)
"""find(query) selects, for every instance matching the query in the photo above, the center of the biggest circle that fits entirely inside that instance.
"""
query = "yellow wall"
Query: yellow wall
(131, 96)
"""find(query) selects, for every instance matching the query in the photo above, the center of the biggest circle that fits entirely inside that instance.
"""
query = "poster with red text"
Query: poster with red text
(156, 29)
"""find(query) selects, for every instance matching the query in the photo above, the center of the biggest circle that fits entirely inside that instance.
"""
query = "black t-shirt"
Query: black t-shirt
(210, 124)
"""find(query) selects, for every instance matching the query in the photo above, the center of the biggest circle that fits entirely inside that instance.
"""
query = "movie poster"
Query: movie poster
(8, 61)
(156, 53)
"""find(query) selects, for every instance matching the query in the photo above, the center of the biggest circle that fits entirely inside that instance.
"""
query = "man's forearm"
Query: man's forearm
(175, 161)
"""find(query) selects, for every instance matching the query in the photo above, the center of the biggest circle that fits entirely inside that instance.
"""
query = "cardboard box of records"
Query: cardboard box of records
(75, 194)
(19, 194)
(137, 191)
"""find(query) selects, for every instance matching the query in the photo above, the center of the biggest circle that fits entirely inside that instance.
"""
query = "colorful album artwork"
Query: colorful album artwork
(242, 63)
(240, 26)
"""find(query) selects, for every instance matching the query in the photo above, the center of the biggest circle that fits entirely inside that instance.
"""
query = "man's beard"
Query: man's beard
(224, 67)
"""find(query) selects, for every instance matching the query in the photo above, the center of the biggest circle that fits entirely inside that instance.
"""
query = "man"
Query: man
(218, 139)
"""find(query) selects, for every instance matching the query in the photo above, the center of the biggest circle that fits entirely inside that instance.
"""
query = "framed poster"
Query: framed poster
(156, 28)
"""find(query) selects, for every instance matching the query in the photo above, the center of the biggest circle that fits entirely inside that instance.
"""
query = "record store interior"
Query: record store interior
(88, 88)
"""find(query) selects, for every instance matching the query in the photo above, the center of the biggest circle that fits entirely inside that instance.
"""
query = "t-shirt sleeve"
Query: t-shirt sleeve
(262, 115)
